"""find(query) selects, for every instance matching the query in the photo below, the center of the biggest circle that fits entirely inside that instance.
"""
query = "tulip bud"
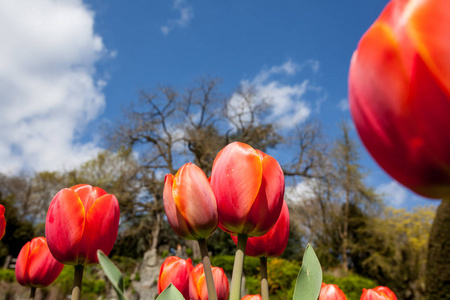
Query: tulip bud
(2, 221)
(378, 293)
(399, 92)
(331, 292)
(197, 283)
(249, 188)
(190, 204)
(175, 270)
(80, 221)
(273, 243)
(35, 266)
(252, 297)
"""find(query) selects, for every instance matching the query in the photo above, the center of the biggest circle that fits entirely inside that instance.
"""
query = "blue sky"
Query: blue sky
(69, 66)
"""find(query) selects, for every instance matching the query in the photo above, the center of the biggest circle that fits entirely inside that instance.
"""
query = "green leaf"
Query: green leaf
(113, 273)
(170, 293)
(309, 280)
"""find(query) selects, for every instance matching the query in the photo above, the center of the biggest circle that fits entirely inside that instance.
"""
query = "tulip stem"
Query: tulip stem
(264, 280)
(236, 281)
(32, 292)
(77, 281)
(207, 269)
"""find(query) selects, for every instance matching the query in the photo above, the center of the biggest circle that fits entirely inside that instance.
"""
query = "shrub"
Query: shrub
(226, 262)
(7, 275)
(282, 275)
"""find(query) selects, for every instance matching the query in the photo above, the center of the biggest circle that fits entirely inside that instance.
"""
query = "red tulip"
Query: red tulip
(190, 204)
(378, 293)
(175, 270)
(399, 90)
(2, 221)
(249, 188)
(81, 220)
(197, 283)
(273, 243)
(252, 297)
(35, 266)
(331, 292)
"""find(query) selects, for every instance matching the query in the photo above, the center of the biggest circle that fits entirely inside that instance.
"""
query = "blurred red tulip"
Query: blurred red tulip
(2, 221)
(175, 270)
(378, 293)
(81, 220)
(331, 292)
(249, 188)
(273, 243)
(190, 204)
(252, 297)
(399, 90)
(197, 283)
(35, 266)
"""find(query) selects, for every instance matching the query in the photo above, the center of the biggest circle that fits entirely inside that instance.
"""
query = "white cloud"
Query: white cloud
(48, 51)
(393, 193)
(302, 191)
(343, 105)
(290, 103)
(186, 14)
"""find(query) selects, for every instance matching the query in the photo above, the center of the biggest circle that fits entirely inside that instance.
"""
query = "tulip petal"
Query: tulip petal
(201, 287)
(331, 292)
(2, 221)
(378, 97)
(221, 284)
(102, 220)
(64, 226)
(176, 271)
(88, 194)
(22, 265)
(195, 200)
(162, 284)
(280, 233)
(390, 90)
(432, 171)
(239, 166)
(43, 269)
(268, 203)
(273, 243)
(176, 220)
(195, 284)
(428, 24)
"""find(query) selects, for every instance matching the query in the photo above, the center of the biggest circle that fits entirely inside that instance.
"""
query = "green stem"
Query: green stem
(32, 292)
(207, 269)
(77, 281)
(264, 280)
(235, 293)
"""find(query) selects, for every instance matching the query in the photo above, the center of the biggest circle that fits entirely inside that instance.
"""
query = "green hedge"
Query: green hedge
(93, 285)
(226, 262)
(282, 274)
(7, 275)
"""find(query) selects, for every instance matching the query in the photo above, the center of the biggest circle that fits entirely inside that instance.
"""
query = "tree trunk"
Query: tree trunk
(345, 233)
(155, 232)
(438, 263)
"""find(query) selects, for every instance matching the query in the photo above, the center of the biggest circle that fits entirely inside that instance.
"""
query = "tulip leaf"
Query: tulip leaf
(170, 293)
(113, 273)
(309, 280)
